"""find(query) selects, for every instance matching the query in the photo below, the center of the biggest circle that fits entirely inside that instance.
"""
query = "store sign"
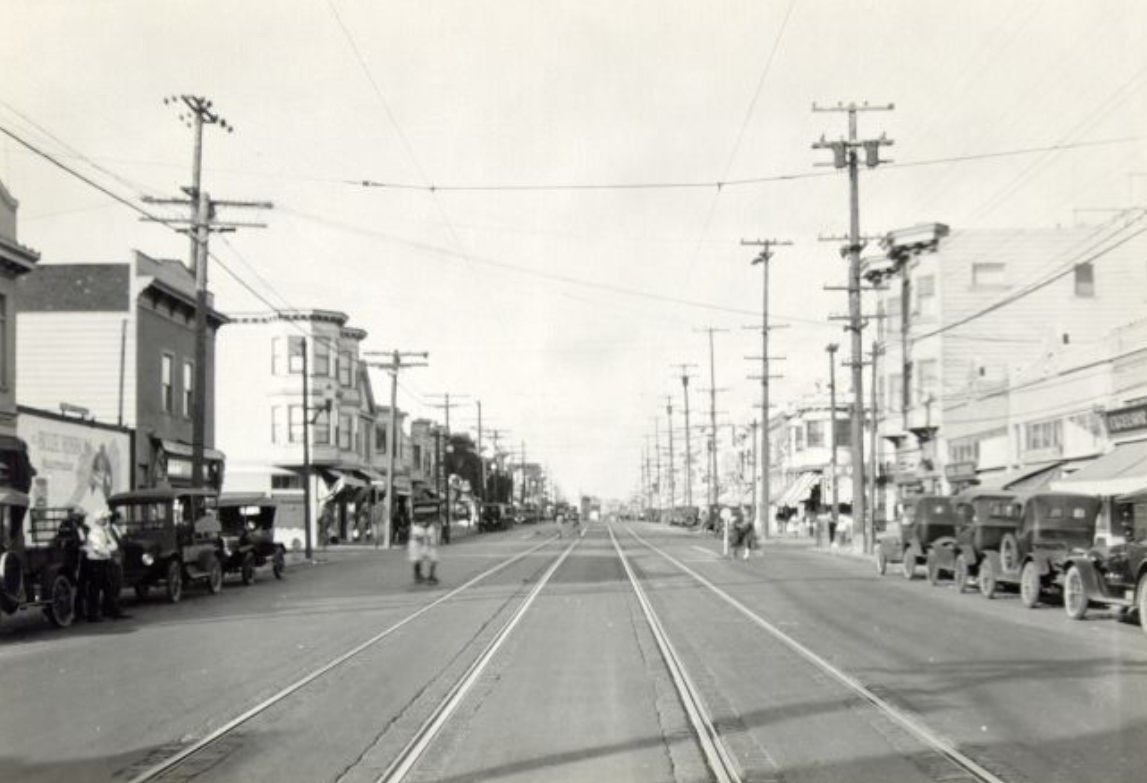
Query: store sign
(960, 471)
(1127, 419)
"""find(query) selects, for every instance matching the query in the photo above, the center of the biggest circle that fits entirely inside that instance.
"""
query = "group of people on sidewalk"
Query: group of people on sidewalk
(100, 570)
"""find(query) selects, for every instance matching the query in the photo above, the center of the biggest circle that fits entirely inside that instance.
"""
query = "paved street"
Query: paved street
(579, 689)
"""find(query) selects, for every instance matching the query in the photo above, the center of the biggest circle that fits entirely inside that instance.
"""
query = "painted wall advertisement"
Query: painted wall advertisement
(78, 463)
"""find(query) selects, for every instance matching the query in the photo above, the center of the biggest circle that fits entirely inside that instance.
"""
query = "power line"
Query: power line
(731, 183)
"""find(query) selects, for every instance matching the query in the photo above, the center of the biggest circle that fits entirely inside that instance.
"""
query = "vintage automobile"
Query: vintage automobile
(247, 525)
(1115, 574)
(983, 517)
(171, 536)
(39, 555)
(495, 516)
(927, 521)
(1052, 527)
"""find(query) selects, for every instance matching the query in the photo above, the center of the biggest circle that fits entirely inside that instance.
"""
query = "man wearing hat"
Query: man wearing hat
(425, 529)
(100, 550)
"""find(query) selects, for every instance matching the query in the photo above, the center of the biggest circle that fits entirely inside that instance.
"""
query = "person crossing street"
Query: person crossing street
(422, 549)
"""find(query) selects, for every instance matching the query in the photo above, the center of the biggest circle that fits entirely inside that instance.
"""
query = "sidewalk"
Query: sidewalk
(853, 549)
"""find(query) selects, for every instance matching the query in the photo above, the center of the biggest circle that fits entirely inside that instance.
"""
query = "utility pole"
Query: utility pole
(714, 477)
(753, 425)
(672, 474)
(872, 433)
(832, 349)
(393, 367)
(846, 155)
(481, 465)
(447, 449)
(657, 458)
(688, 444)
(201, 224)
(763, 258)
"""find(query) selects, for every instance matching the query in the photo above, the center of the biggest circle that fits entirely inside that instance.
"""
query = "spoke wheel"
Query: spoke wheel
(987, 578)
(174, 581)
(1074, 597)
(215, 577)
(61, 610)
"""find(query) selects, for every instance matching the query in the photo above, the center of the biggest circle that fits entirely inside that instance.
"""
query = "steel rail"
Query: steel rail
(915, 727)
(717, 756)
(160, 767)
(409, 756)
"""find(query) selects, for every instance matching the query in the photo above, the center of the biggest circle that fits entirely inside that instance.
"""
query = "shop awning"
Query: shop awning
(1121, 472)
(797, 491)
(180, 449)
(1028, 479)
(369, 476)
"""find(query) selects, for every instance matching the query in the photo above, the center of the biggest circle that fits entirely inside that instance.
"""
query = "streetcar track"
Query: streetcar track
(402, 765)
(717, 756)
(168, 763)
(900, 717)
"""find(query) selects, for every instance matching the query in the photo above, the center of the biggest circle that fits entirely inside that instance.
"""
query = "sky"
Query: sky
(565, 308)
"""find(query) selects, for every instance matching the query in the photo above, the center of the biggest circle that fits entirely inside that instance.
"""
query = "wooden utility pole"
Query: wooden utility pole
(832, 349)
(672, 468)
(447, 449)
(201, 224)
(763, 258)
(688, 444)
(846, 155)
(394, 366)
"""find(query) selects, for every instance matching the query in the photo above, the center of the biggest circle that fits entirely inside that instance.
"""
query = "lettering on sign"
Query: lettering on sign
(1126, 419)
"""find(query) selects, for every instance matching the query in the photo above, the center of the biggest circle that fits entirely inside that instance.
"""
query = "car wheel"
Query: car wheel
(141, 590)
(1141, 602)
(881, 561)
(987, 578)
(215, 577)
(1009, 553)
(278, 564)
(247, 570)
(908, 566)
(933, 568)
(1029, 585)
(1074, 597)
(960, 576)
(174, 581)
(61, 609)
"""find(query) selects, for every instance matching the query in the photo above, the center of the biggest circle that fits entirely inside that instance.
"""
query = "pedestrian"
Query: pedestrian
(743, 534)
(425, 530)
(100, 549)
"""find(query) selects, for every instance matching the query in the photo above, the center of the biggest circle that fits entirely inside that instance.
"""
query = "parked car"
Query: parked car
(983, 517)
(1115, 574)
(1052, 527)
(247, 526)
(171, 536)
(927, 521)
(38, 566)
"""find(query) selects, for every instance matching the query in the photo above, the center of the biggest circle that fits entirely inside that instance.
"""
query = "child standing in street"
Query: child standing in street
(422, 549)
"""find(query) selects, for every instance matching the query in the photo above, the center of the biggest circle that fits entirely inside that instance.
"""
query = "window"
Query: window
(1043, 435)
(345, 432)
(843, 433)
(925, 381)
(295, 358)
(346, 368)
(964, 451)
(322, 354)
(798, 438)
(188, 388)
(166, 387)
(816, 432)
(286, 355)
(416, 453)
(1084, 279)
(988, 275)
(278, 425)
(321, 429)
(295, 432)
(290, 481)
(380, 444)
(925, 296)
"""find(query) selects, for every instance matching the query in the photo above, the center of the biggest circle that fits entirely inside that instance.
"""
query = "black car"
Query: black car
(38, 563)
(983, 516)
(927, 521)
(1116, 574)
(247, 525)
(171, 536)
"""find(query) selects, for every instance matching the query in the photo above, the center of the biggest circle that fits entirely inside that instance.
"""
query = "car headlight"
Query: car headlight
(147, 558)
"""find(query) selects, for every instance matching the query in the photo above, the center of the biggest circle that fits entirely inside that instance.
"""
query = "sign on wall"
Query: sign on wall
(1127, 419)
(77, 463)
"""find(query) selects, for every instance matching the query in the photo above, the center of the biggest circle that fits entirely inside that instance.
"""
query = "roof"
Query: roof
(247, 499)
(159, 493)
(1120, 472)
(64, 288)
